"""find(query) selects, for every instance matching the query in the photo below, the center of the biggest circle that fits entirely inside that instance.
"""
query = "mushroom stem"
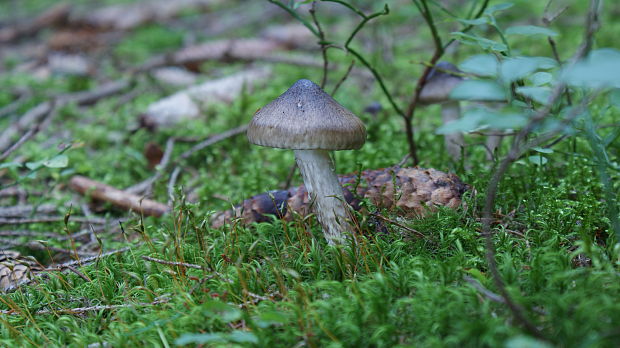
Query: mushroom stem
(325, 192)
(451, 111)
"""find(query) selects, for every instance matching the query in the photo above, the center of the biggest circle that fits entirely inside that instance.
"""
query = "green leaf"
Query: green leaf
(59, 161)
(467, 123)
(506, 121)
(222, 311)
(478, 90)
(481, 42)
(526, 342)
(483, 118)
(542, 150)
(537, 94)
(477, 21)
(10, 165)
(599, 70)
(267, 319)
(34, 165)
(243, 337)
(519, 67)
(498, 7)
(199, 338)
(541, 78)
(530, 30)
(538, 160)
(481, 65)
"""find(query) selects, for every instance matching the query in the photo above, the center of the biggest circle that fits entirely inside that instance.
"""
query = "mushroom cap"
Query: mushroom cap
(439, 83)
(306, 118)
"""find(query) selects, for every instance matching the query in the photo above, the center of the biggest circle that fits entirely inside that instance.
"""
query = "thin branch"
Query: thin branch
(295, 15)
(322, 42)
(344, 77)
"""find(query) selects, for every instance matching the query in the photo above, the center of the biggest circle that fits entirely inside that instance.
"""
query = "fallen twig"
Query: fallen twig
(12, 107)
(395, 223)
(166, 164)
(34, 115)
(211, 140)
(228, 50)
(20, 142)
(45, 219)
(40, 245)
(145, 186)
(27, 210)
(81, 310)
(117, 197)
(29, 26)
(128, 16)
(174, 263)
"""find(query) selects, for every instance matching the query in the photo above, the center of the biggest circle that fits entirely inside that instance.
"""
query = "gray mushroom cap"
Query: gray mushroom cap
(306, 118)
(439, 83)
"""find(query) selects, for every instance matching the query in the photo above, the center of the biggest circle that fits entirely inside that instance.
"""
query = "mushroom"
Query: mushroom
(311, 122)
(439, 83)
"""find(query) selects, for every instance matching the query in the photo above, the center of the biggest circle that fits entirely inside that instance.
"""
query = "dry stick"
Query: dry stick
(407, 228)
(172, 182)
(212, 140)
(69, 265)
(39, 245)
(50, 235)
(34, 130)
(145, 186)
(166, 163)
(81, 310)
(31, 117)
(514, 153)
(45, 219)
(185, 264)
(30, 26)
(7, 110)
(174, 263)
(34, 115)
(79, 274)
(85, 260)
(127, 201)
(27, 210)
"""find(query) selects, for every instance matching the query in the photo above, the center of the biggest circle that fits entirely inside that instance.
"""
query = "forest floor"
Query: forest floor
(106, 91)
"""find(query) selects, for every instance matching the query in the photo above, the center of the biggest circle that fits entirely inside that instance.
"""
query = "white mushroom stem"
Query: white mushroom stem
(451, 111)
(325, 192)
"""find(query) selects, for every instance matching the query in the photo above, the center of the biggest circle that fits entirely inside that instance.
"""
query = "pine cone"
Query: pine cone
(14, 270)
(413, 191)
